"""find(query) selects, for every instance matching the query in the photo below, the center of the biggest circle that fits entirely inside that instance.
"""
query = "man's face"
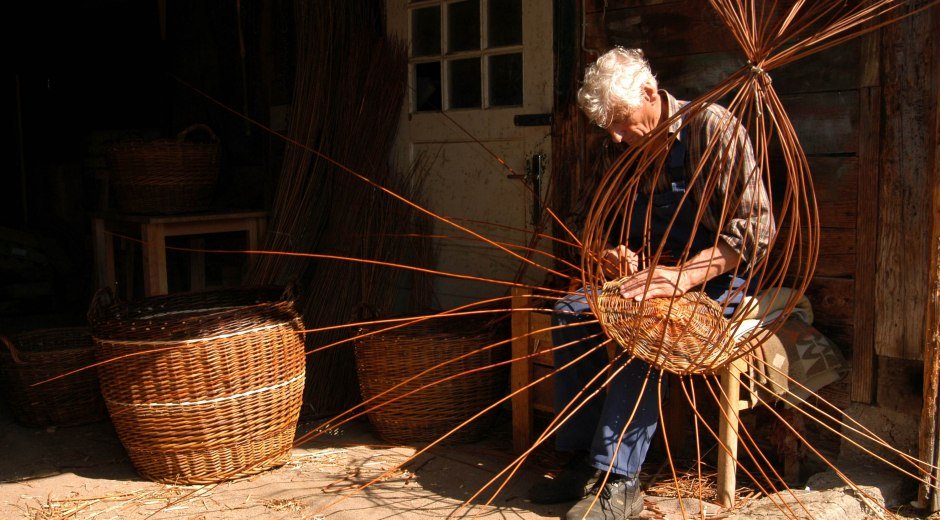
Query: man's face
(632, 128)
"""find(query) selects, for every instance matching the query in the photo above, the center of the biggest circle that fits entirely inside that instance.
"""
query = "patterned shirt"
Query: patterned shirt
(748, 223)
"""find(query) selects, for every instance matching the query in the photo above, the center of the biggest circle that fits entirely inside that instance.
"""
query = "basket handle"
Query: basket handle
(103, 298)
(12, 348)
(192, 128)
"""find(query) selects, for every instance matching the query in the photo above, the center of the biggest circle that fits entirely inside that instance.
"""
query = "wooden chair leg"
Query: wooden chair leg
(521, 372)
(728, 432)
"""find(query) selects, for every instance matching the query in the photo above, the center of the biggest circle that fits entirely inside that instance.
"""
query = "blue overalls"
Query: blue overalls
(598, 425)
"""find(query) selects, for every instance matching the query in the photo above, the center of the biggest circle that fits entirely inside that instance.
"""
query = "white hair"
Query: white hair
(613, 85)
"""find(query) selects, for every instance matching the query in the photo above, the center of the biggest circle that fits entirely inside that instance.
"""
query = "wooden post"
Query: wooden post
(929, 438)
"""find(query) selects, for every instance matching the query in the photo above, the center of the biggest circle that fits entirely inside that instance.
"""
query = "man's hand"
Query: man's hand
(664, 282)
(672, 281)
(619, 261)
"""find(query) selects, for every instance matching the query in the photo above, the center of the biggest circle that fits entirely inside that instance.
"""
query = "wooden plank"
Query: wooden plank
(832, 241)
(667, 29)
(825, 122)
(930, 429)
(838, 68)
(594, 6)
(835, 179)
(863, 348)
(833, 301)
(908, 141)
(691, 74)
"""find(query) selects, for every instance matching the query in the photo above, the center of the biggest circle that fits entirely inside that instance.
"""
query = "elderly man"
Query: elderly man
(620, 94)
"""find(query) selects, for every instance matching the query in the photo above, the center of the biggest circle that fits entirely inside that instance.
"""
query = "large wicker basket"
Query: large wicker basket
(390, 358)
(166, 175)
(202, 387)
(28, 360)
(683, 335)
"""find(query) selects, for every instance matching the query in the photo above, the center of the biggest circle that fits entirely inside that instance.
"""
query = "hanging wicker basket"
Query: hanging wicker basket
(166, 175)
(29, 360)
(683, 335)
(389, 358)
(202, 387)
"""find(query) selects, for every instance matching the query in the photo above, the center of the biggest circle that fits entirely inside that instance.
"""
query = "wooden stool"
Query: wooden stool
(153, 230)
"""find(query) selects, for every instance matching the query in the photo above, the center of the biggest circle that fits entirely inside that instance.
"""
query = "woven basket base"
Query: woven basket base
(194, 443)
(216, 465)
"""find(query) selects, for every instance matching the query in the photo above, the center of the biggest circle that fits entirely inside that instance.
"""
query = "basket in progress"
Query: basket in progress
(166, 175)
(388, 358)
(202, 387)
(683, 335)
(33, 357)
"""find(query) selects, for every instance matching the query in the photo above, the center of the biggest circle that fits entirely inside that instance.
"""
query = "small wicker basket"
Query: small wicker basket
(166, 175)
(389, 358)
(202, 387)
(30, 358)
(683, 335)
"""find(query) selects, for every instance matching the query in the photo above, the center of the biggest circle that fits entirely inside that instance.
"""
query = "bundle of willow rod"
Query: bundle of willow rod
(771, 34)
(347, 101)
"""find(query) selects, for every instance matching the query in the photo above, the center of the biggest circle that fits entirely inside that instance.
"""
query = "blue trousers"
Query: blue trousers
(598, 425)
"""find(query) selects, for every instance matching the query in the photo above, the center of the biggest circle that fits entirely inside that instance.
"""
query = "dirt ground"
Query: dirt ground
(83, 472)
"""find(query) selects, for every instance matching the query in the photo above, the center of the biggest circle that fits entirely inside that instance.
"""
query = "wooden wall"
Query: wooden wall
(863, 111)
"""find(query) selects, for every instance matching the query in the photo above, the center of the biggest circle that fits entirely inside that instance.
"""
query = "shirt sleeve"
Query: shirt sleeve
(738, 207)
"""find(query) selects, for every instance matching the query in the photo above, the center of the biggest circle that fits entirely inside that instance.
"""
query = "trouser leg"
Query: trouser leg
(626, 392)
(598, 425)
(577, 433)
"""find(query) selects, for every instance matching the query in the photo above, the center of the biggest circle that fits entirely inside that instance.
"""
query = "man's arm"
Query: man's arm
(738, 210)
(671, 281)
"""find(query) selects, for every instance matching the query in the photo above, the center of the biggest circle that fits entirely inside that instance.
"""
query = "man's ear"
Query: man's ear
(650, 94)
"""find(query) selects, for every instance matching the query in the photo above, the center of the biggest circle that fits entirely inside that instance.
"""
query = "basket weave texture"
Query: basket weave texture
(166, 175)
(202, 387)
(391, 357)
(36, 356)
(683, 335)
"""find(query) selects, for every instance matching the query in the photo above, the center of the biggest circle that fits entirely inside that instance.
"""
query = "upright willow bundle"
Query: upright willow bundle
(345, 113)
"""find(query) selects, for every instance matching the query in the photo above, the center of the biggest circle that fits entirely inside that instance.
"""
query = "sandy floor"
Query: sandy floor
(83, 472)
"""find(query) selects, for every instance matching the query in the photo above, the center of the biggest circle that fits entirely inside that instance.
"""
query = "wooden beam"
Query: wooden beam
(904, 217)
(930, 415)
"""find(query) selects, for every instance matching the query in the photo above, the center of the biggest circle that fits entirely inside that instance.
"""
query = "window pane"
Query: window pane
(505, 77)
(463, 26)
(426, 31)
(427, 86)
(464, 82)
(504, 23)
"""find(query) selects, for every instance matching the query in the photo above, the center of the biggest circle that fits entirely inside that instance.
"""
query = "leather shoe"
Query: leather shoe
(619, 498)
(573, 482)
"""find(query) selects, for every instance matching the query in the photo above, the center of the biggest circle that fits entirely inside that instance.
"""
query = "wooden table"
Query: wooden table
(153, 230)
